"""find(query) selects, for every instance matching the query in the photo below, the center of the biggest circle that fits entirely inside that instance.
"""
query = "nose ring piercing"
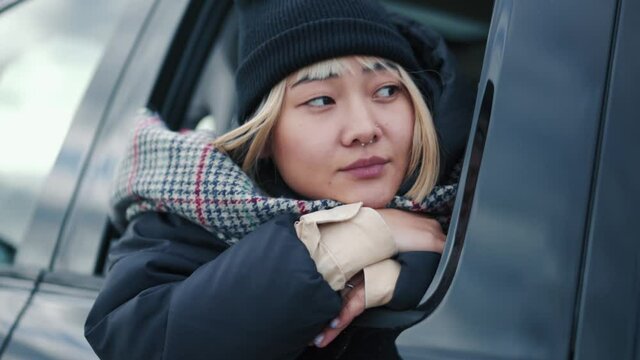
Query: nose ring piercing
(365, 144)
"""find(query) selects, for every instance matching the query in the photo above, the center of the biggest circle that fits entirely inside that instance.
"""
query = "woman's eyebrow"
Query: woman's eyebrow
(308, 79)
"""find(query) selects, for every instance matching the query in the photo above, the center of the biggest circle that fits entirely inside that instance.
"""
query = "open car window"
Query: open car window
(465, 31)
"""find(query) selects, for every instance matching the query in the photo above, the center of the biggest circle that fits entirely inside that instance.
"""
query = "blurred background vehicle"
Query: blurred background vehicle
(541, 261)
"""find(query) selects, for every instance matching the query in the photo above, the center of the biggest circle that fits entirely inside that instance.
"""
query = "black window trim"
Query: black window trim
(187, 58)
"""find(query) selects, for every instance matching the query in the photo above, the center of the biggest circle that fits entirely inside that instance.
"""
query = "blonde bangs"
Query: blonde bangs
(340, 66)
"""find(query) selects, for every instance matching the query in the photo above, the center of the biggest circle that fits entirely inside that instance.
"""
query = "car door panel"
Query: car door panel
(53, 325)
(609, 317)
(15, 291)
(515, 288)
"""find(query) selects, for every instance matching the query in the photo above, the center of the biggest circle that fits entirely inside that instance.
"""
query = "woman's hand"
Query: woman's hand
(352, 306)
(413, 232)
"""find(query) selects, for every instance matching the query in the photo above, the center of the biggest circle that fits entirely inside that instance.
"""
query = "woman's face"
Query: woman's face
(317, 143)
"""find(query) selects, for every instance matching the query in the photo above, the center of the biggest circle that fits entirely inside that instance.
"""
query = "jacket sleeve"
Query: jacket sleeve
(350, 238)
(417, 271)
(173, 291)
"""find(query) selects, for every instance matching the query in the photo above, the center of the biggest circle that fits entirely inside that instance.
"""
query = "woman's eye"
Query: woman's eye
(388, 91)
(321, 101)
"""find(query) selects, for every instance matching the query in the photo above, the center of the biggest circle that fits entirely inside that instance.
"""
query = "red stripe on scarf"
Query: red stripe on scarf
(199, 200)
(180, 201)
(302, 207)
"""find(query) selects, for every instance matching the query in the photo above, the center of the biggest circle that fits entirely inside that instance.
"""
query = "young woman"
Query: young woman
(324, 216)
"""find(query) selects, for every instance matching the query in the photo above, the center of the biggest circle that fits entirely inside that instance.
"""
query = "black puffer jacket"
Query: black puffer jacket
(173, 291)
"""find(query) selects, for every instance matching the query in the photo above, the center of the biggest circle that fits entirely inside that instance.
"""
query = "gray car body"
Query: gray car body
(542, 259)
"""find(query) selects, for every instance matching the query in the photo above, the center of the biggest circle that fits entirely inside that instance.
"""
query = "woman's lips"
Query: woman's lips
(367, 172)
(366, 168)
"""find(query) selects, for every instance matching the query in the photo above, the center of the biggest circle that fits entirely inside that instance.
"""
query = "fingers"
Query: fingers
(414, 232)
(432, 239)
(426, 236)
(352, 306)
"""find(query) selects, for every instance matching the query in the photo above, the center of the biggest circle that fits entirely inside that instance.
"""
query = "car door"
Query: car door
(530, 250)
(608, 315)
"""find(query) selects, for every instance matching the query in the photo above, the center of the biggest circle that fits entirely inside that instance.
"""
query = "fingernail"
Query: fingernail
(334, 323)
(318, 339)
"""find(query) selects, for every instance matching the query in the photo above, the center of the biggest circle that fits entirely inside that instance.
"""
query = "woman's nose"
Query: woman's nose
(361, 127)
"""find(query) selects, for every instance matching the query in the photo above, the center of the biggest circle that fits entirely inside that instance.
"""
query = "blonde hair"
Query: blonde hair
(248, 141)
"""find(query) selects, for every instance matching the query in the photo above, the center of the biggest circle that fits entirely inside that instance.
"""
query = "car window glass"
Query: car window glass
(49, 52)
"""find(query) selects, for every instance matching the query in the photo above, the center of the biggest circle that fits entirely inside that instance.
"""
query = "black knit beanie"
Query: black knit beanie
(279, 37)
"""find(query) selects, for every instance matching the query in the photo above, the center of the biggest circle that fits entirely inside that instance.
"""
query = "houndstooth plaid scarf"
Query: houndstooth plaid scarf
(182, 173)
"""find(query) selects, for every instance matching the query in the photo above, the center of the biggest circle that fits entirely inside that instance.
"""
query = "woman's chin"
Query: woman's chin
(376, 197)
(375, 202)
